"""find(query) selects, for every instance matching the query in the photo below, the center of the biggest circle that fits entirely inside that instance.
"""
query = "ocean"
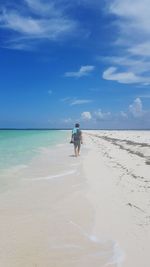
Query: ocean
(18, 147)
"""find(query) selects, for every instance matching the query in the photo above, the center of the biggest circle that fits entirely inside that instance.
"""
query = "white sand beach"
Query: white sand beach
(93, 210)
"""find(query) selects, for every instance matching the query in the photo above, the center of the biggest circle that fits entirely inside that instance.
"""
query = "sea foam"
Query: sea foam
(66, 173)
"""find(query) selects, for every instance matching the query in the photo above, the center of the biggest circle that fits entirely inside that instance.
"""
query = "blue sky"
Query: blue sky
(71, 61)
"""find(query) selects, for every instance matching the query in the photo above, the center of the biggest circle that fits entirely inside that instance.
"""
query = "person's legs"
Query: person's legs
(75, 149)
(79, 146)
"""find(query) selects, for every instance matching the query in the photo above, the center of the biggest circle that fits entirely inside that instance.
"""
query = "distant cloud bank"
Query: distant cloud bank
(133, 116)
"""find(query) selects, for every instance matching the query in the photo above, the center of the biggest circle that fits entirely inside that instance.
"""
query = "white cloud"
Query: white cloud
(113, 74)
(80, 102)
(133, 37)
(137, 66)
(50, 23)
(74, 101)
(123, 114)
(43, 8)
(99, 115)
(136, 109)
(136, 114)
(133, 117)
(86, 115)
(142, 49)
(83, 71)
(25, 25)
(29, 27)
(134, 16)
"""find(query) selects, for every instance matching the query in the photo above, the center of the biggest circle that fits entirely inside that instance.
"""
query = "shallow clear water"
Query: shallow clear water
(20, 146)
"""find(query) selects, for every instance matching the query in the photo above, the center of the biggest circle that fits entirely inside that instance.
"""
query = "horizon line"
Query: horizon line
(100, 129)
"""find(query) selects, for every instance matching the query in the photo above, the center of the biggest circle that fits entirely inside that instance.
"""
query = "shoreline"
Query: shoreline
(79, 212)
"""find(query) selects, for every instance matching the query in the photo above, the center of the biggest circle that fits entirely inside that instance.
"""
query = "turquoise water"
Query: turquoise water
(20, 146)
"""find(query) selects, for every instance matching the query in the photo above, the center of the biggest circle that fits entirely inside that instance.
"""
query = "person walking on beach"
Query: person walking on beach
(77, 139)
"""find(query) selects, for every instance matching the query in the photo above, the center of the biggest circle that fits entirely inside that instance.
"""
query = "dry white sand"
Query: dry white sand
(117, 169)
(62, 211)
